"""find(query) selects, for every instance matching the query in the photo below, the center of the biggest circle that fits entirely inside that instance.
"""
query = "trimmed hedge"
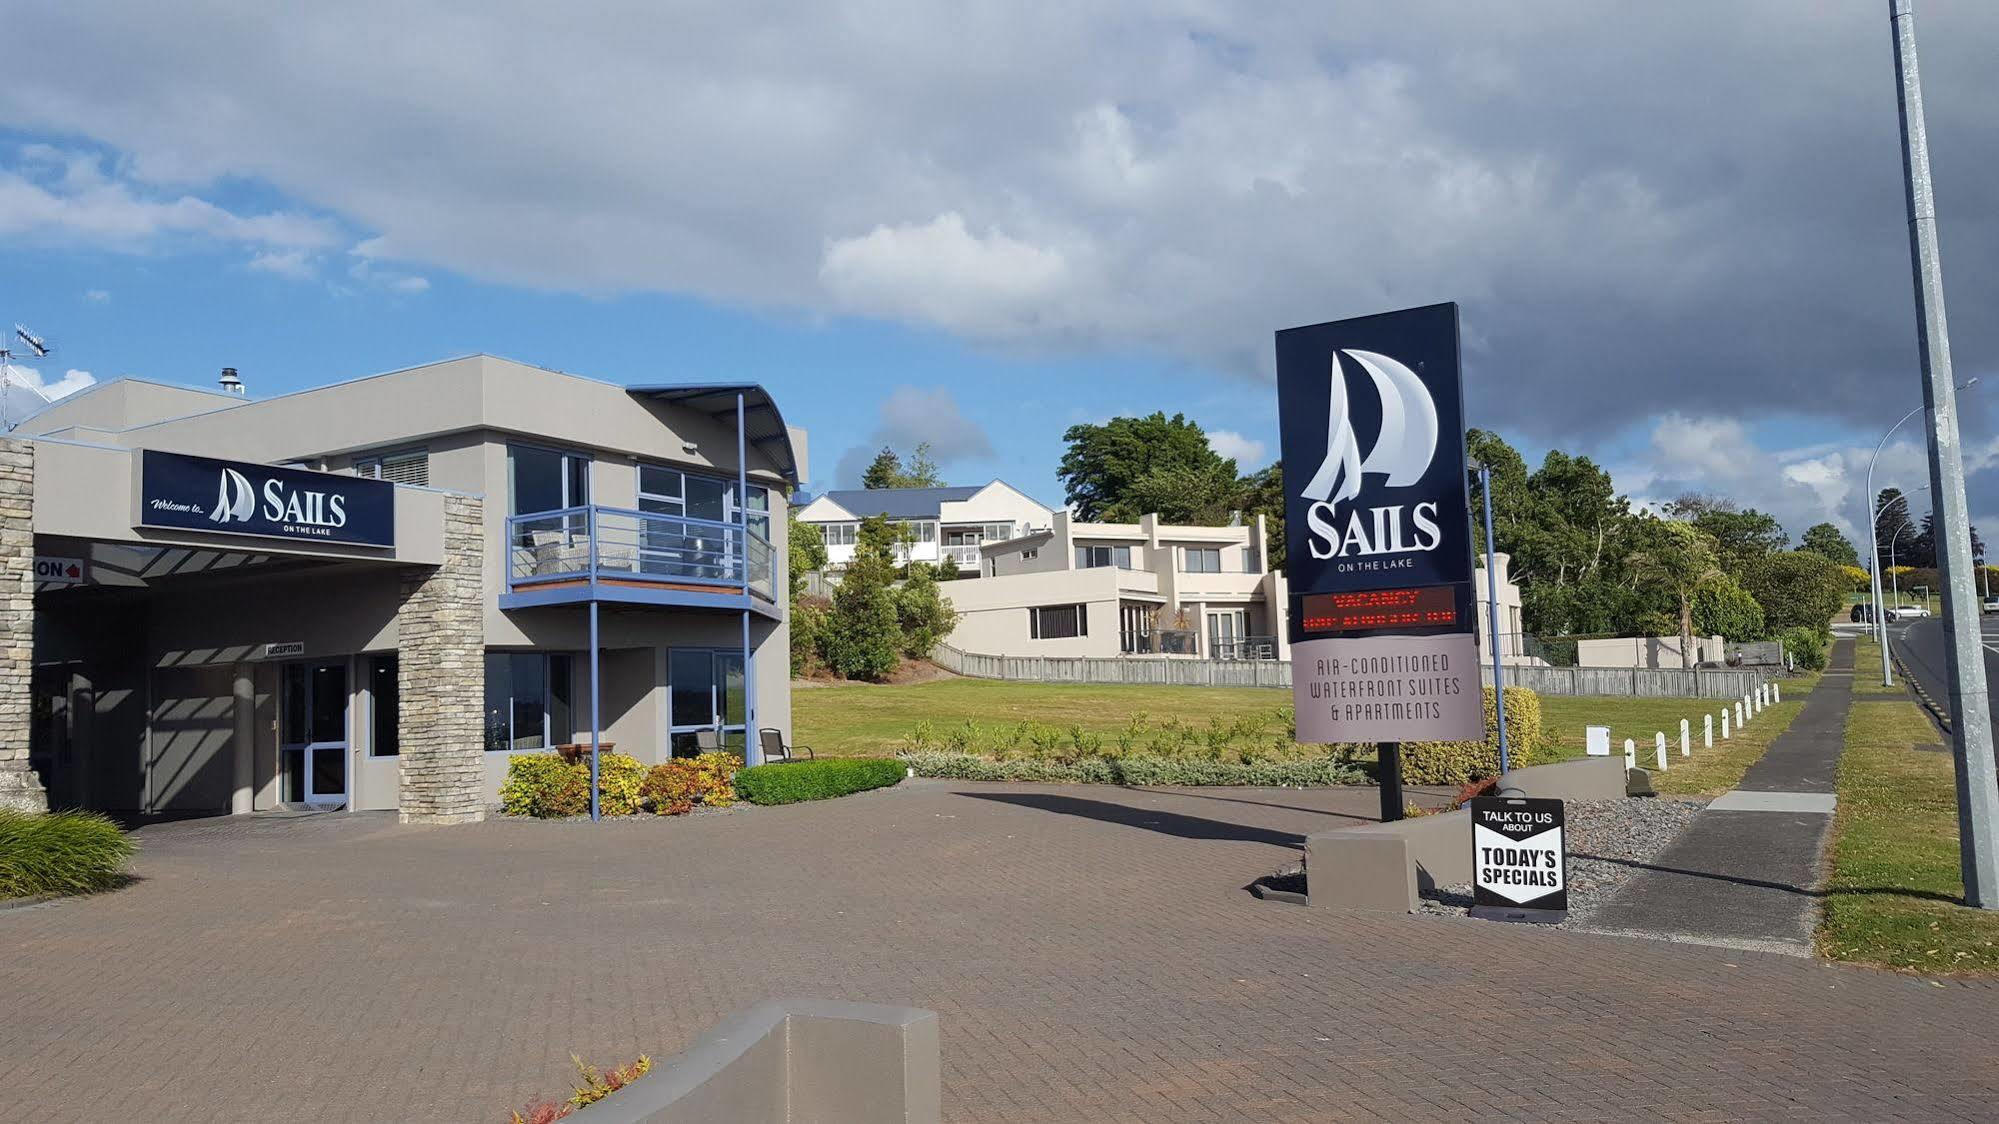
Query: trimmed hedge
(545, 786)
(815, 780)
(1463, 762)
(1137, 770)
(60, 853)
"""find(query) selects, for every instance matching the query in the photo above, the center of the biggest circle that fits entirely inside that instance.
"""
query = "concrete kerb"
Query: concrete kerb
(1387, 866)
(795, 1059)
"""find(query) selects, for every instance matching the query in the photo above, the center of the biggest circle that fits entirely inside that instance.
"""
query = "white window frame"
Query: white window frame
(1188, 553)
(1035, 631)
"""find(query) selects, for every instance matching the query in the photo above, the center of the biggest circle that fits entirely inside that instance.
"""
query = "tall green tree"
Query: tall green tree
(885, 471)
(1741, 535)
(1797, 589)
(863, 630)
(1677, 558)
(1263, 494)
(1826, 539)
(1112, 472)
(889, 470)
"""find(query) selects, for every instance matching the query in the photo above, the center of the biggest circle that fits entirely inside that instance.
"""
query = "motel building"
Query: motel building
(368, 595)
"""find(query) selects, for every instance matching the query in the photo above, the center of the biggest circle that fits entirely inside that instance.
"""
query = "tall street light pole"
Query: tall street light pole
(1492, 613)
(1874, 536)
(1977, 781)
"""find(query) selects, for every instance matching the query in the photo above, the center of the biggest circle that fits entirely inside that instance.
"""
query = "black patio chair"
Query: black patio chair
(776, 752)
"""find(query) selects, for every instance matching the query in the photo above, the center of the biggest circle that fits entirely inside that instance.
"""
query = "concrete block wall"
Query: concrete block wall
(441, 625)
(19, 787)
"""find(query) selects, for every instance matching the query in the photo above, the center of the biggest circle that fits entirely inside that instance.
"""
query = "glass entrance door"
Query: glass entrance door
(313, 731)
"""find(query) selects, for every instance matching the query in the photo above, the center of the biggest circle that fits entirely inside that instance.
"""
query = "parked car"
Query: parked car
(1903, 612)
(1861, 613)
(1991, 605)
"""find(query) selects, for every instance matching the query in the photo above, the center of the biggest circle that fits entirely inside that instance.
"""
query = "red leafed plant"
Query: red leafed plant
(1485, 787)
(542, 1112)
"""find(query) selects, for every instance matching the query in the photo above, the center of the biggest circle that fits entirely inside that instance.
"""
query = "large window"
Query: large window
(411, 466)
(528, 701)
(705, 693)
(1201, 560)
(384, 705)
(839, 534)
(541, 479)
(1058, 622)
(1092, 557)
(669, 491)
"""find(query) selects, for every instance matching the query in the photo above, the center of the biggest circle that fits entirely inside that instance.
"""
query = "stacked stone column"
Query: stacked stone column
(441, 626)
(20, 789)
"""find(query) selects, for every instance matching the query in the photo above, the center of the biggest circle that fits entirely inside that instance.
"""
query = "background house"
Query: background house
(945, 524)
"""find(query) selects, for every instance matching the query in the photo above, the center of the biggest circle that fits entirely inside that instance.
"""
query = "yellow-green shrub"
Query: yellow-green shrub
(1462, 762)
(545, 786)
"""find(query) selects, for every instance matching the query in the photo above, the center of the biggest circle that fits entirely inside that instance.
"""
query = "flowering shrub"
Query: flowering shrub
(672, 788)
(596, 1085)
(1266, 736)
(545, 786)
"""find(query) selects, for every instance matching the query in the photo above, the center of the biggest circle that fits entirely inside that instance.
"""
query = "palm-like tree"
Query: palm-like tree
(1677, 558)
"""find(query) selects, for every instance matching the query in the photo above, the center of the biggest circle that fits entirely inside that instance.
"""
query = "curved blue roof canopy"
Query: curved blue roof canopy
(763, 426)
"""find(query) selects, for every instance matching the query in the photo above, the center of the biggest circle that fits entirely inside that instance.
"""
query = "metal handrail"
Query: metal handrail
(592, 541)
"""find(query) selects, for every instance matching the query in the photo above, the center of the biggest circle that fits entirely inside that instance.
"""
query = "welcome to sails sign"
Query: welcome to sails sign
(1371, 416)
(221, 497)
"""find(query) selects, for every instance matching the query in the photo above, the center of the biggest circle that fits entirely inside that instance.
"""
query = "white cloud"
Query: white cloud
(59, 196)
(912, 416)
(97, 296)
(1175, 180)
(1247, 452)
(940, 273)
(292, 265)
(366, 271)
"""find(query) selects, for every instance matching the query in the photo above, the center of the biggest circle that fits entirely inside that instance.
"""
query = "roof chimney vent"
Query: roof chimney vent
(230, 382)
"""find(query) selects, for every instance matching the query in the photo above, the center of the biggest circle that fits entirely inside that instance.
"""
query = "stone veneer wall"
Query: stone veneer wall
(441, 630)
(19, 787)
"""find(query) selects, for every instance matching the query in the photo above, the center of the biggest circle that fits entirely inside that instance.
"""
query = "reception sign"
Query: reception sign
(1383, 618)
(221, 497)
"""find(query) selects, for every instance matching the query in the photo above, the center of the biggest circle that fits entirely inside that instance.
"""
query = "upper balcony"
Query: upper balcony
(580, 554)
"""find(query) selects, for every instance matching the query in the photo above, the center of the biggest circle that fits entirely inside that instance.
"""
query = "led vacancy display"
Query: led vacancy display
(1429, 606)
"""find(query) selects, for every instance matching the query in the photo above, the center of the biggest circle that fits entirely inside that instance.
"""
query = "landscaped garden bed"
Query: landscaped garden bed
(49, 854)
(546, 786)
(1258, 748)
(797, 781)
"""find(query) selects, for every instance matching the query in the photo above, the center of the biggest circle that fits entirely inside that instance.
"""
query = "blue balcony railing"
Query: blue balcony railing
(595, 543)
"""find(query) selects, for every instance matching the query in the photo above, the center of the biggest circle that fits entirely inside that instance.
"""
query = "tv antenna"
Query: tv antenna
(34, 346)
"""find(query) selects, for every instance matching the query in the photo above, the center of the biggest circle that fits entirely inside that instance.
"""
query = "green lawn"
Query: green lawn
(1867, 671)
(1709, 772)
(866, 721)
(1894, 896)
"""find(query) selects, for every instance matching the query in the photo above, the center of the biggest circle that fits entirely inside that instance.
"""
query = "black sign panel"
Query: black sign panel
(1371, 415)
(1519, 861)
(239, 498)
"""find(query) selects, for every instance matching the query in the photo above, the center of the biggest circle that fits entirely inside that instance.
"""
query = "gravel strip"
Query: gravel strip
(1608, 841)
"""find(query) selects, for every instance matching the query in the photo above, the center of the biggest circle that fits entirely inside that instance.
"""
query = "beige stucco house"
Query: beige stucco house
(367, 595)
(1107, 589)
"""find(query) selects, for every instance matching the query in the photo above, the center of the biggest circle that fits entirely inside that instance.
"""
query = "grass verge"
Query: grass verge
(1709, 772)
(867, 721)
(1894, 896)
(1867, 672)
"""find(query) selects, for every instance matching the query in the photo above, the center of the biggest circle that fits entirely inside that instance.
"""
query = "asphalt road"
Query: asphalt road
(1921, 645)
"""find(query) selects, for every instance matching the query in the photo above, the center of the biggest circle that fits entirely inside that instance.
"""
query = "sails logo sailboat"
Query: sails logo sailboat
(1402, 452)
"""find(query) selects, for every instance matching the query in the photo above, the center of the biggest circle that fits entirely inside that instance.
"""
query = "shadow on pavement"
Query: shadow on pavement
(1166, 823)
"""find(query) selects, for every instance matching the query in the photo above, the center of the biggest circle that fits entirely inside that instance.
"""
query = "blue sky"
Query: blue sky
(1676, 233)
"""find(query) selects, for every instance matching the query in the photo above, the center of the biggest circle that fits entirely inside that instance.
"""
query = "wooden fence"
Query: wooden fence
(1640, 682)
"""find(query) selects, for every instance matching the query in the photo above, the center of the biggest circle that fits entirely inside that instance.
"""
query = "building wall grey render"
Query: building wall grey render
(19, 787)
(442, 635)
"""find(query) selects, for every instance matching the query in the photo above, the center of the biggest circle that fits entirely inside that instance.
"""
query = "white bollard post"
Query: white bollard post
(1659, 743)
(1776, 692)
(1707, 731)
(1741, 719)
(1762, 697)
(1686, 740)
(1630, 754)
(1724, 723)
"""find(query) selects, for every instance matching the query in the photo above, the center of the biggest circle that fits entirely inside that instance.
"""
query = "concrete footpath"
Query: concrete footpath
(1747, 872)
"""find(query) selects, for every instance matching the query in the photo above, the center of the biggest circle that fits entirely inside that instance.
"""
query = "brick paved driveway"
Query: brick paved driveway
(1092, 953)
